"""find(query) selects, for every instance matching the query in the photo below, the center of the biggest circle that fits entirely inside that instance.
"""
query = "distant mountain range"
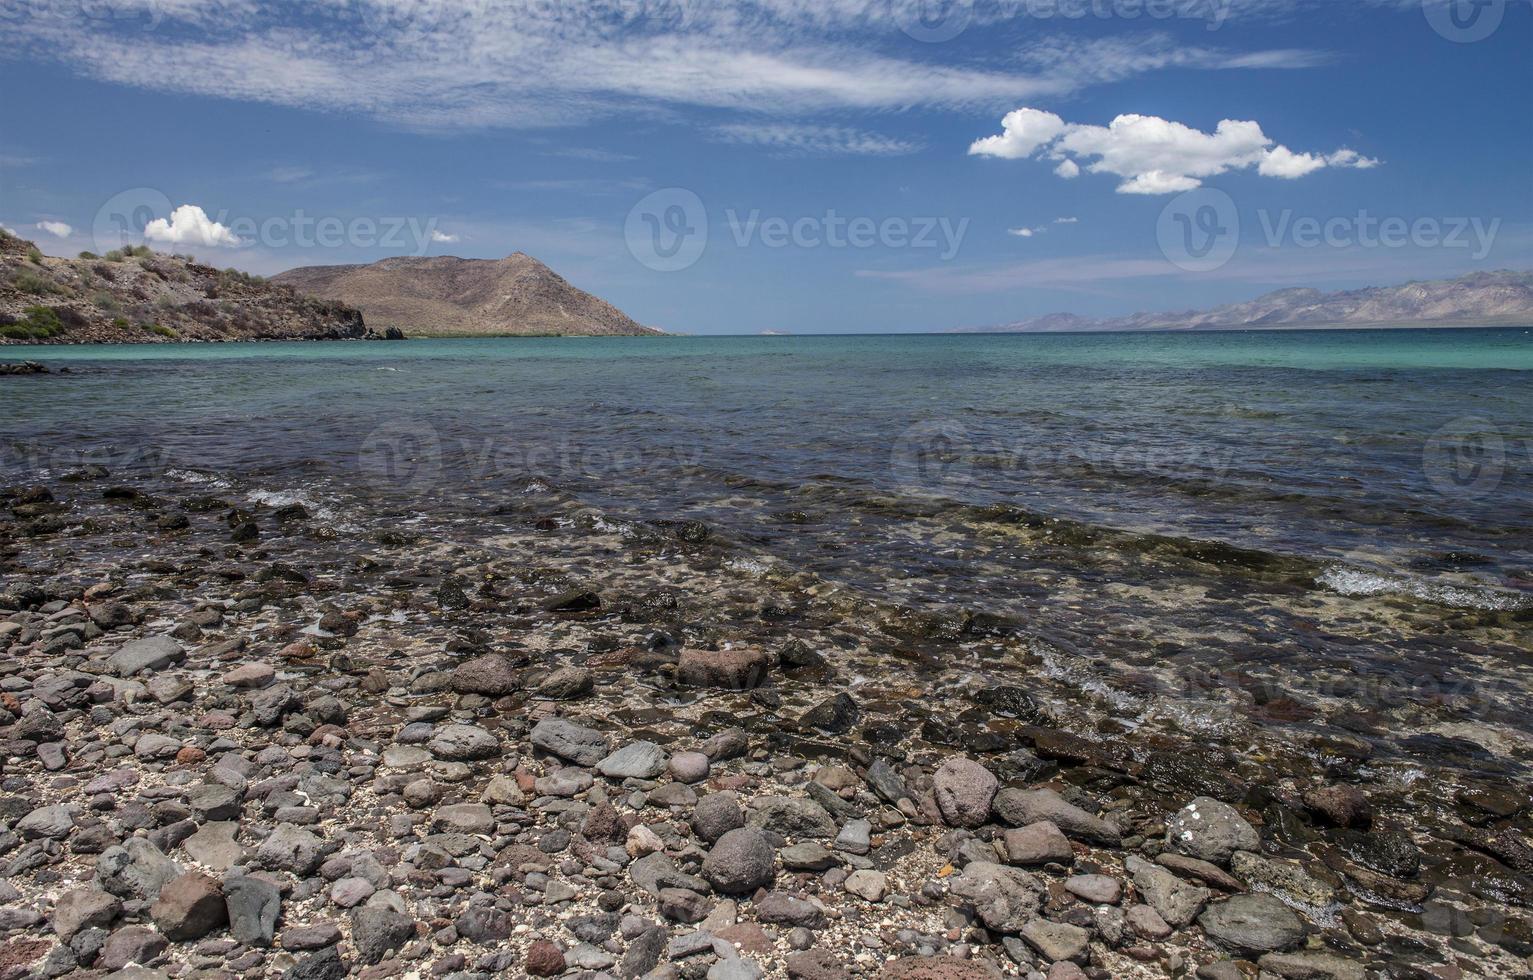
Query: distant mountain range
(1480, 299)
(451, 297)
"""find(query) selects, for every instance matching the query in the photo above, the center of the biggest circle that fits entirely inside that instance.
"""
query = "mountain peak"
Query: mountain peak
(444, 295)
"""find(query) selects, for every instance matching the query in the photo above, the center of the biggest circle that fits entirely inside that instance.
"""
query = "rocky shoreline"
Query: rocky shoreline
(247, 739)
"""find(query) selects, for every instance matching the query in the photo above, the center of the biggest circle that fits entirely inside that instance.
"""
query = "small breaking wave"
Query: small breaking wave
(1357, 582)
(286, 498)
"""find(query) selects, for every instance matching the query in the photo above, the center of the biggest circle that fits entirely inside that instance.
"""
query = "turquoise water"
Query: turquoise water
(1393, 459)
(1506, 349)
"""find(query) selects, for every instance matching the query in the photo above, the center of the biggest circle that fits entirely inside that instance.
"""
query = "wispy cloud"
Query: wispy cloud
(575, 185)
(795, 139)
(465, 64)
(590, 153)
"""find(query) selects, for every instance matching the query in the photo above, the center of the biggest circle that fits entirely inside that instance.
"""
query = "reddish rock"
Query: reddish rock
(937, 968)
(964, 790)
(814, 964)
(189, 907)
(1344, 806)
(18, 953)
(490, 675)
(255, 675)
(605, 824)
(544, 959)
(739, 669)
(190, 755)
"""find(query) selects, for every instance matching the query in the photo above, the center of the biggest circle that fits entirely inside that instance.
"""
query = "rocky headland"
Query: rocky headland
(138, 296)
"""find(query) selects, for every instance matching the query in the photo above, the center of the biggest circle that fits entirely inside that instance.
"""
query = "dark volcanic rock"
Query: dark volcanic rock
(253, 905)
(835, 715)
(378, 932)
(740, 862)
(190, 907)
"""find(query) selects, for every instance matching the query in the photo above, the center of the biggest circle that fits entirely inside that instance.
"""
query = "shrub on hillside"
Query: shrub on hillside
(40, 323)
(30, 282)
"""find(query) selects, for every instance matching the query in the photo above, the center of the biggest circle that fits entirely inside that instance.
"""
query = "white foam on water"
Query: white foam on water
(1357, 582)
(611, 527)
(203, 479)
(1078, 675)
(284, 498)
(750, 566)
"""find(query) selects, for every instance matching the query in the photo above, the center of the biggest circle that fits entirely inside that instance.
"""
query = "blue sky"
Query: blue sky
(830, 166)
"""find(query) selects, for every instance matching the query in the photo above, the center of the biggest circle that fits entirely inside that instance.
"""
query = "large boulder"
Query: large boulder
(1176, 901)
(84, 908)
(1003, 898)
(1254, 923)
(740, 862)
(1210, 831)
(150, 653)
(291, 848)
(738, 669)
(135, 869)
(791, 817)
(567, 740)
(189, 908)
(491, 675)
(964, 790)
(253, 905)
(463, 743)
(379, 931)
(636, 760)
(1021, 807)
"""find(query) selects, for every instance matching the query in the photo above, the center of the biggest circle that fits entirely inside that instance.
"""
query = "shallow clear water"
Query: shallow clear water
(1393, 461)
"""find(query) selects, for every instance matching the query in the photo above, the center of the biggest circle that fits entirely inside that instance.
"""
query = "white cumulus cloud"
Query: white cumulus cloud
(1153, 155)
(1026, 232)
(57, 229)
(442, 236)
(190, 225)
